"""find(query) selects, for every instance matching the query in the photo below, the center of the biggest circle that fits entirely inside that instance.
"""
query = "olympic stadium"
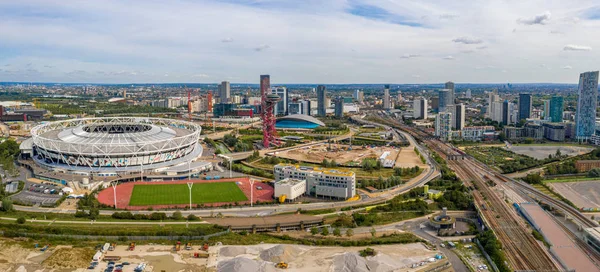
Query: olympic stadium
(115, 145)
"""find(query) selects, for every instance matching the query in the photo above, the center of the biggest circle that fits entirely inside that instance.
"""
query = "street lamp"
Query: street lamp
(251, 192)
(190, 184)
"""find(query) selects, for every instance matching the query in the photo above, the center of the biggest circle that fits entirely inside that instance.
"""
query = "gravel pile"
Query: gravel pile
(350, 262)
(232, 251)
(280, 253)
(241, 264)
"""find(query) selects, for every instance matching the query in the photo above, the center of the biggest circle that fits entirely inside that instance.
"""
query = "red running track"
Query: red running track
(124, 191)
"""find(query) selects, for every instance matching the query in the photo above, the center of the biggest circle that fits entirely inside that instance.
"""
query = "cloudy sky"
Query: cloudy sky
(299, 41)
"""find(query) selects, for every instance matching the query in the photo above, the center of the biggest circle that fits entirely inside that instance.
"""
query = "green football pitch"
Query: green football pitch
(166, 194)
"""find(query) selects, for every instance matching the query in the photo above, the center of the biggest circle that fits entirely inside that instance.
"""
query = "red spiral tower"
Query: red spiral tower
(268, 102)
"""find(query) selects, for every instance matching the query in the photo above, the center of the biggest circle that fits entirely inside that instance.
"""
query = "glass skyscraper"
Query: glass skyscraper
(556, 109)
(587, 98)
(525, 106)
(321, 95)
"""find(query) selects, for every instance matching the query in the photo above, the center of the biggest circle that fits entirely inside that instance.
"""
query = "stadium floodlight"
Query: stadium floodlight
(190, 184)
(114, 185)
(230, 159)
(251, 192)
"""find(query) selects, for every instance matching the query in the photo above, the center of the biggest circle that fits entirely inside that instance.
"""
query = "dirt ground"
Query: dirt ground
(14, 257)
(584, 194)
(405, 157)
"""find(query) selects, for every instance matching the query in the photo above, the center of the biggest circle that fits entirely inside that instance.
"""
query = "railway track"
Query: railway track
(522, 250)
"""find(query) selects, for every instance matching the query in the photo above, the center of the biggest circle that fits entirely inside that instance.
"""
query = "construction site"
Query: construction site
(190, 257)
(353, 155)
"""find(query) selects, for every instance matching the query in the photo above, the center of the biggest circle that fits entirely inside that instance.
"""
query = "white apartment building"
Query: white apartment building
(443, 126)
(320, 182)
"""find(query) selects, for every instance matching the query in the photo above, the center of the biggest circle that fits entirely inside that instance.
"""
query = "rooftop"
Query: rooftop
(289, 182)
(327, 171)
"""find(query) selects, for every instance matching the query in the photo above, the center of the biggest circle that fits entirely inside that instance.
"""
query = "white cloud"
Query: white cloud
(295, 41)
(467, 40)
(573, 47)
(448, 58)
(541, 19)
(262, 47)
(567, 67)
(409, 56)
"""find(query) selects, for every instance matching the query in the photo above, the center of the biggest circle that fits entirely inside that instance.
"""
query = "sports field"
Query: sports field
(167, 194)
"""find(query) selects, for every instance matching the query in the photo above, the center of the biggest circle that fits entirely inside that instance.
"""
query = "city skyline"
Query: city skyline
(335, 42)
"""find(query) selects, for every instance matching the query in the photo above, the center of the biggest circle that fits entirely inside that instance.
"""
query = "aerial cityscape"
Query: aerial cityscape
(276, 135)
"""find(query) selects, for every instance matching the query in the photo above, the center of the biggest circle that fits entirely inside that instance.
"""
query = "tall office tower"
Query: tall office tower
(469, 95)
(435, 103)
(458, 118)
(587, 98)
(339, 107)
(443, 126)
(321, 95)
(420, 108)
(525, 106)
(399, 98)
(225, 91)
(546, 115)
(496, 114)
(450, 86)
(282, 105)
(386, 97)
(445, 96)
(556, 109)
(507, 109)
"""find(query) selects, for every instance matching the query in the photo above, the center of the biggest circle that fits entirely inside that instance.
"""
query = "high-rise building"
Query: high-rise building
(493, 97)
(587, 98)
(556, 109)
(358, 95)
(420, 108)
(295, 108)
(507, 109)
(339, 107)
(225, 91)
(525, 106)
(305, 106)
(282, 105)
(458, 118)
(386, 97)
(445, 96)
(469, 95)
(443, 126)
(546, 110)
(435, 103)
(321, 96)
(450, 86)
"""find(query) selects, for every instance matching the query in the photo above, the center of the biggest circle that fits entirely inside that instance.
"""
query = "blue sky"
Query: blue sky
(310, 41)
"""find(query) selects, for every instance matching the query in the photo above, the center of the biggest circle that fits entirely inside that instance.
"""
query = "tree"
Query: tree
(314, 231)
(337, 232)
(7, 205)
(21, 220)
(535, 178)
(192, 217)
(558, 153)
(373, 232)
(94, 213)
(349, 232)
(325, 231)
(177, 215)
(594, 173)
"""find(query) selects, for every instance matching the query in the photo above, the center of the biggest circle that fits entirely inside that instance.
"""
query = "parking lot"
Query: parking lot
(44, 194)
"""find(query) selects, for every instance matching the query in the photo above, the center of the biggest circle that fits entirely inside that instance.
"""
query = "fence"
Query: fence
(132, 238)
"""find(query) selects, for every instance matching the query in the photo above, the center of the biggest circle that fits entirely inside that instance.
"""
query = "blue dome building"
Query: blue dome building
(298, 121)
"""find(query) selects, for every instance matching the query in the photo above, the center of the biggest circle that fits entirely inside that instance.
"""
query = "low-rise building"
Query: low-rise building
(513, 133)
(586, 165)
(320, 182)
(475, 133)
(289, 189)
